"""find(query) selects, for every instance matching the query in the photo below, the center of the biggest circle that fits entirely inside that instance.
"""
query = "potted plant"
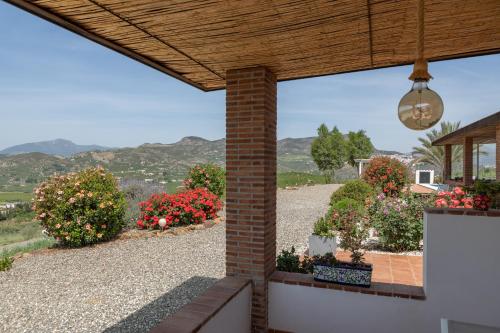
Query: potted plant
(353, 232)
(323, 239)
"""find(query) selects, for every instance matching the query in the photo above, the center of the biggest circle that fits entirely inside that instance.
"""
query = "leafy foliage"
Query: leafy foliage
(324, 228)
(357, 190)
(6, 263)
(359, 145)
(329, 150)
(209, 176)
(190, 207)
(80, 208)
(386, 174)
(288, 261)
(353, 229)
(491, 189)
(399, 220)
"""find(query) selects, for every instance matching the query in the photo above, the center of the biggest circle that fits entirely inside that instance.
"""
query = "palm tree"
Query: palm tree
(434, 155)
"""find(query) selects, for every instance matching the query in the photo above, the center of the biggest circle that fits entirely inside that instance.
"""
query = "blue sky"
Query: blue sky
(55, 84)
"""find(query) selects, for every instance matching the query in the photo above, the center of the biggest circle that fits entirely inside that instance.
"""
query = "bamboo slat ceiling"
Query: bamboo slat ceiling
(198, 41)
(482, 131)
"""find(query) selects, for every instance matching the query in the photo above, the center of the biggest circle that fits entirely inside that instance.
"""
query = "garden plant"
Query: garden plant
(387, 175)
(80, 208)
(190, 207)
(209, 176)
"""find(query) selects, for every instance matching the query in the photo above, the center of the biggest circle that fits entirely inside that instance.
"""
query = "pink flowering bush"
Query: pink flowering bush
(190, 207)
(209, 176)
(399, 220)
(80, 208)
(457, 198)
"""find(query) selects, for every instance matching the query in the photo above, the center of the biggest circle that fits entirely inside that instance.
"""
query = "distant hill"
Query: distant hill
(154, 161)
(60, 147)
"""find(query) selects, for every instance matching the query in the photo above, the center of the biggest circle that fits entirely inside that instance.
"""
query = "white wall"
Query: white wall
(461, 277)
(234, 316)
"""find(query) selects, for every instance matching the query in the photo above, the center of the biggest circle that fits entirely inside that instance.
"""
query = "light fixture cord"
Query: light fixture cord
(420, 71)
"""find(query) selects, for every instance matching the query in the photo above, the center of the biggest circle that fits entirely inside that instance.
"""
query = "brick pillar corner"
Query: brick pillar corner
(251, 182)
(468, 162)
(447, 163)
(498, 153)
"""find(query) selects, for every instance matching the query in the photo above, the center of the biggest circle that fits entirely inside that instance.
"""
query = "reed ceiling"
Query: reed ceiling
(198, 41)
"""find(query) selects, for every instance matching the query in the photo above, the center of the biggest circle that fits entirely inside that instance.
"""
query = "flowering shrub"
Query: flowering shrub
(80, 208)
(357, 190)
(399, 221)
(209, 176)
(386, 174)
(481, 202)
(190, 207)
(353, 232)
(457, 198)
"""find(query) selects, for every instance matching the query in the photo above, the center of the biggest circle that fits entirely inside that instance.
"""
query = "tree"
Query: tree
(434, 155)
(359, 145)
(329, 151)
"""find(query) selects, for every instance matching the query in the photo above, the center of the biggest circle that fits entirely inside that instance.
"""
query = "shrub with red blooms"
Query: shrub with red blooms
(190, 207)
(481, 202)
(457, 198)
(386, 174)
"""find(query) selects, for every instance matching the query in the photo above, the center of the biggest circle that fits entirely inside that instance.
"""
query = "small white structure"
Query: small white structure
(424, 177)
(360, 162)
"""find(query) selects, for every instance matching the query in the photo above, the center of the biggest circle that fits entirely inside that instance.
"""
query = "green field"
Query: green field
(299, 179)
(19, 229)
(15, 196)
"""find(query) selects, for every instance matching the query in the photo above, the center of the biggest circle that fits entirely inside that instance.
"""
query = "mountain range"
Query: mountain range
(60, 147)
(25, 165)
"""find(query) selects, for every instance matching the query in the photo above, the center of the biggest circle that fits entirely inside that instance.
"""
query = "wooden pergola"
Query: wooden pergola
(483, 131)
(246, 47)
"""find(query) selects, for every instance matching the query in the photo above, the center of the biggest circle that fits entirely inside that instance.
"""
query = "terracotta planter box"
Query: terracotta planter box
(344, 273)
(319, 246)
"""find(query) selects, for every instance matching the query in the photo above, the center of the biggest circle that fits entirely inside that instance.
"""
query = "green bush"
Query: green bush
(80, 208)
(354, 189)
(6, 263)
(399, 221)
(341, 207)
(288, 261)
(324, 227)
(209, 176)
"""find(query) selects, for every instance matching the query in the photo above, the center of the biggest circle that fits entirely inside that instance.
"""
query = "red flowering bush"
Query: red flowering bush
(481, 202)
(386, 174)
(457, 198)
(190, 207)
(209, 176)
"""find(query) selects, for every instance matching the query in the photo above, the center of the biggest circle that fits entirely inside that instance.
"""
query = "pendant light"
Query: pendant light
(421, 108)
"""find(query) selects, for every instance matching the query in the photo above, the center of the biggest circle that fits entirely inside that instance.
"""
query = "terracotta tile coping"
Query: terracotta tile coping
(377, 288)
(463, 211)
(191, 317)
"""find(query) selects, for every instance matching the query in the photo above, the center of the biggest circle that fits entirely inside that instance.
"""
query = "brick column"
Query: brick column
(498, 153)
(468, 161)
(251, 182)
(447, 163)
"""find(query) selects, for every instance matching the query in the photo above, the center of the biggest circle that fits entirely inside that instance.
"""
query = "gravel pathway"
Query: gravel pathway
(130, 285)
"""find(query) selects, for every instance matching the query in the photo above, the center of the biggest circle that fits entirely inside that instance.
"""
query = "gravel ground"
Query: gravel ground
(130, 285)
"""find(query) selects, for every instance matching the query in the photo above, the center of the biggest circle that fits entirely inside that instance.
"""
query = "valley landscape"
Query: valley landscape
(24, 166)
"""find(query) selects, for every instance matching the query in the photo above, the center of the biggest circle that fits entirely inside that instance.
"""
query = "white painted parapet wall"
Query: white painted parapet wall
(461, 281)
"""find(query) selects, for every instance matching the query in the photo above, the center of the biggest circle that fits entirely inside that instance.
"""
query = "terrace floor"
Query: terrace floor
(393, 275)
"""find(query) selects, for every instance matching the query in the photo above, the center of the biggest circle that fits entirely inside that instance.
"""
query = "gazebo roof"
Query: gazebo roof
(198, 41)
(482, 131)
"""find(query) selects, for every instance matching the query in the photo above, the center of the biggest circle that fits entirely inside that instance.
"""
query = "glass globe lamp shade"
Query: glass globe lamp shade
(162, 223)
(421, 108)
